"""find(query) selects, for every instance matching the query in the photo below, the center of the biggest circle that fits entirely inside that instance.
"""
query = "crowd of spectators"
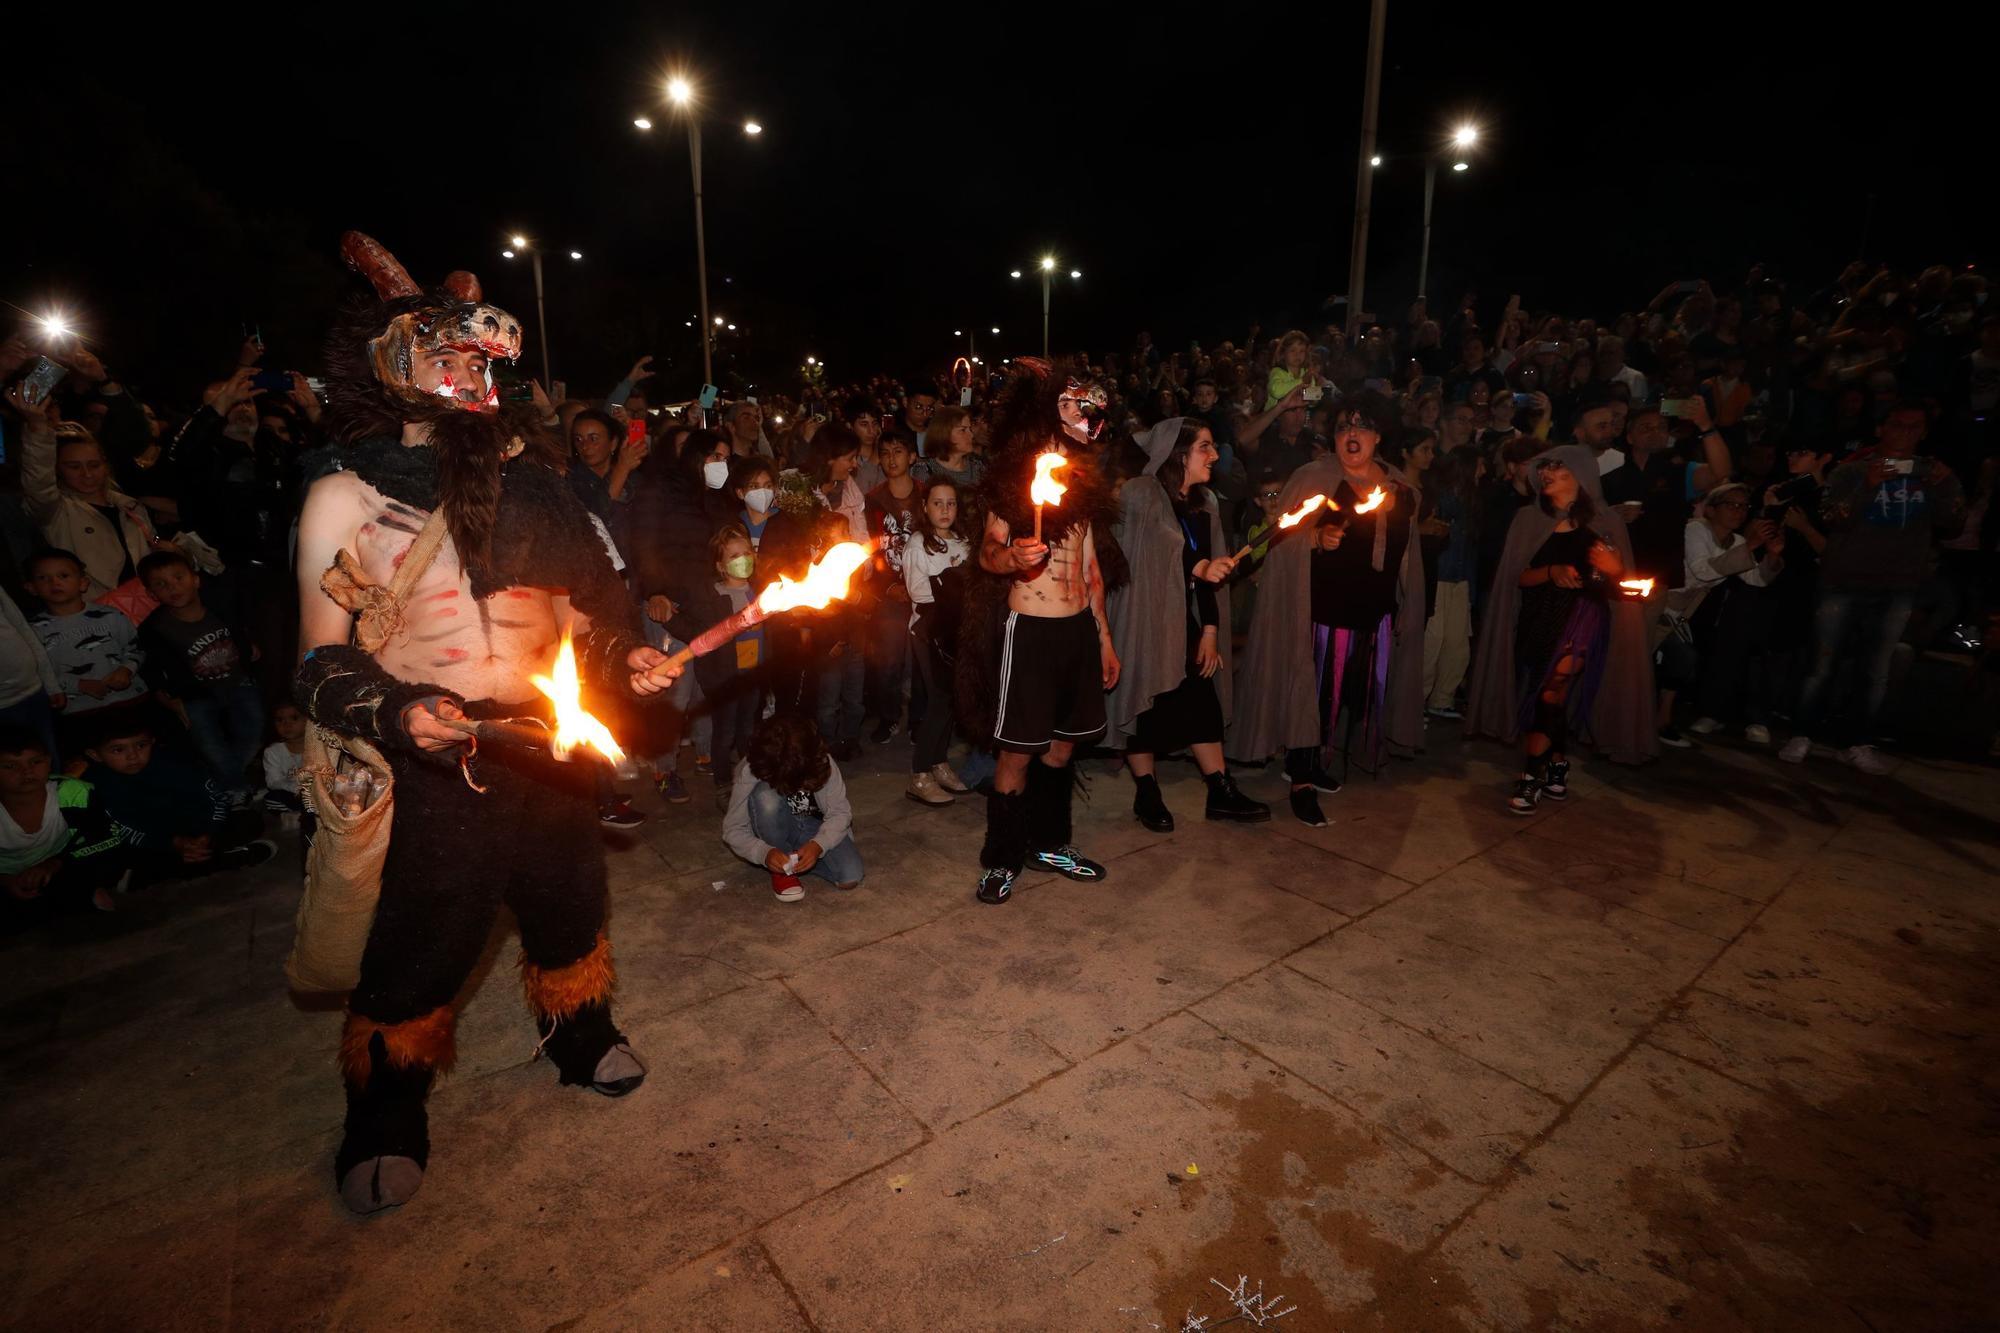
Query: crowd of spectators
(1806, 475)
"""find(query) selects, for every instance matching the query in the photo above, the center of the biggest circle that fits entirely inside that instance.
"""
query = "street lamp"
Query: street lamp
(972, 339)
(680, 93)
(1462, 140)
(1047, 266)
(517, 246)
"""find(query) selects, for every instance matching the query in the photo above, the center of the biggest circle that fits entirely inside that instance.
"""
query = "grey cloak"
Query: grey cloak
(1280, 709)
(1621, 721)
(1149, 615)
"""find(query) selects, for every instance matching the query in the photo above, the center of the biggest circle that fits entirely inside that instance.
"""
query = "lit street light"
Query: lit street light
(1047, 265)
(680, 92)
(972, 341)
(1462, 140)
(517, 246)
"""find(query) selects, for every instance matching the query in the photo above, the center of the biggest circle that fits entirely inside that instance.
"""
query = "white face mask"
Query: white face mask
(715, 471)
(759, 498)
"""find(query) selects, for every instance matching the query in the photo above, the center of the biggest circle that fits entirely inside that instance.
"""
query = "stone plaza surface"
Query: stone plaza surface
(1711, 1046)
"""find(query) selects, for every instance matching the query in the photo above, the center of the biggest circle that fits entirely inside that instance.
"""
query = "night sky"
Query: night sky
(173, 183)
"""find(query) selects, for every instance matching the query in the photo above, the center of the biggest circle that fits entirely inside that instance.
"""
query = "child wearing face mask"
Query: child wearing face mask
(731, 677)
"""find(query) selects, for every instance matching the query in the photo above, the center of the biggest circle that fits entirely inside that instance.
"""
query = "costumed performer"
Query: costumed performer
(418, 430)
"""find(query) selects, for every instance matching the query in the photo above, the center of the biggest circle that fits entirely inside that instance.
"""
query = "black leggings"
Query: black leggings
(933, 729)
(530, 841)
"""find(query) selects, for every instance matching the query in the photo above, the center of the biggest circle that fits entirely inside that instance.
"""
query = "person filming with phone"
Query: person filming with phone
(1881, 509)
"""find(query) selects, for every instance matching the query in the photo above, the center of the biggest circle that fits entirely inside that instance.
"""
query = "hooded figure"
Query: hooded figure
(1171, 622)
(1611, 701)
(1299, 668)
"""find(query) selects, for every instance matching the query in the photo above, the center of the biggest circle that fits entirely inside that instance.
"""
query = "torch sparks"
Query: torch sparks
(826, 581)
(1293, 519)
(1641, 588)
(1373, 502)
(574, 727)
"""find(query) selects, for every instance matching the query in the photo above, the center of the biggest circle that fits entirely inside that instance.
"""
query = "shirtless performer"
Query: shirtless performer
(1055, 655)
(418, 426)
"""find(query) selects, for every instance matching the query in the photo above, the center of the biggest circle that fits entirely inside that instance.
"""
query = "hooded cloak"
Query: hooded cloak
(1621, 721)
(1280, 709)
(1149, 615)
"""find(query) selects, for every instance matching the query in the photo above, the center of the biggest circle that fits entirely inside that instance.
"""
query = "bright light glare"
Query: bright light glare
(55, 326)
(680, 90)
(1375, 161)
(1076, 273)
(812, 360)
(1458, 166)
(1048, 262)
(642, 123)
(751, 127)
(576, 254)
(718, 319)
(1015, 274)
(506, 254)
(958, 333)
(1467, 136)
(732, 328)
(996, 328)
(519, 242)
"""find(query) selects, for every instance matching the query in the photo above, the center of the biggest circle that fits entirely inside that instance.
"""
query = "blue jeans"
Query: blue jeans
(671, 718)
(228, 729)
(773, 822)
(1880, 616)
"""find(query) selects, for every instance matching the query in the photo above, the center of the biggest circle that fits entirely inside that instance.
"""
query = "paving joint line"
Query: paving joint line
(841, 1042)
(771, 1262)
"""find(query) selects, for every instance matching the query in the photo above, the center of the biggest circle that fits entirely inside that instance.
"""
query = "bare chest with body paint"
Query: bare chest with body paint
(1064, 584)
(481, 648)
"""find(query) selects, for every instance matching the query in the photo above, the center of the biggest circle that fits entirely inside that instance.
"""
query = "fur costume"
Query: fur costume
(527, 836)
(1026, 423)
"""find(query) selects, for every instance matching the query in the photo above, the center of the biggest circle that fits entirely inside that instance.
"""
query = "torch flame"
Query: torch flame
(1637, 587)
(1310, 503)
(1046, 490)
(826, 581)
(574, 727)
(1372, 503)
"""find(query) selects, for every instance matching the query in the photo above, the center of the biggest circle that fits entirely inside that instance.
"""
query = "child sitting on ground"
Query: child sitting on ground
(788, 811)
(58, 847)
(196, 657)
(94, 649)
(179, 823)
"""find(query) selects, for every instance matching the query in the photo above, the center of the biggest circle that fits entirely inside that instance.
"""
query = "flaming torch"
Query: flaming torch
(824, 583)
(1637, 589)
(1045, 489)
(1286, 523)
(575, 728)
(1373, 502)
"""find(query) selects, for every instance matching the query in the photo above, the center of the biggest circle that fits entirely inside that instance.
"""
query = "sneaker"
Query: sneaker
(1305, 807)
(884, 729)
(1866, 759)
(1672, 736)
(704, 763)
(1323, 781)
(1066, 861)
(1527, 792)
(1447, 713)
(672, 788)
(924, 790)
(618, 813)
(944, 777)
(1704, 726)
(1227, 801)
(1796, 749)
(787, 887)
(995, 886)
(1757, 734)
(1556, 785)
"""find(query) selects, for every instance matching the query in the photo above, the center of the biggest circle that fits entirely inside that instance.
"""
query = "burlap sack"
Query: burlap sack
(344, 867)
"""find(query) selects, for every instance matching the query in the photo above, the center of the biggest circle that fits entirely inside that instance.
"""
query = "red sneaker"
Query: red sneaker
(787, 887)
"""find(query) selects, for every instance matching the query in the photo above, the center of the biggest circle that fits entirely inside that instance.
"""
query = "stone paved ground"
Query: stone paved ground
(1712, 1046)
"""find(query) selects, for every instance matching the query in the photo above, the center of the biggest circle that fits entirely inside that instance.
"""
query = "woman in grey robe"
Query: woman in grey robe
(1170, 623)
(1580, 657)
(1339, 628)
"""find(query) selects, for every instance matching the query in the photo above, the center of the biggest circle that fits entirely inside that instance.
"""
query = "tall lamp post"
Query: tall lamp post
(971, 337)
(520, 245)
(681, 94)
(1364, 182)
(1047, 265)
(1462, 140)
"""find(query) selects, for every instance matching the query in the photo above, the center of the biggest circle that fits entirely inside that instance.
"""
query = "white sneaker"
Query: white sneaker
(1864, 758)
(948, 780)
(1757, 734)
(924, 790)
(1704, 726)
(1796, 749)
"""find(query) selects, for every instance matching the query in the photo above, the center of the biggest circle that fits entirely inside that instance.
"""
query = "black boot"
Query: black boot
(1227, 801)
(588, 1050)
(1006, 845)
(1050, 791)
(1148, 805)
(387, 1143)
